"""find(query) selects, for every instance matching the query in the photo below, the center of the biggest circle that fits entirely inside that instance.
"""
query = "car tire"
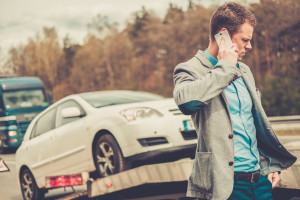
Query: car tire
(108, 157)
(30, 190)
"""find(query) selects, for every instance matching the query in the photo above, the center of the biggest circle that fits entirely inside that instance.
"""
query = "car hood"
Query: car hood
(164, 105)
(158, 104)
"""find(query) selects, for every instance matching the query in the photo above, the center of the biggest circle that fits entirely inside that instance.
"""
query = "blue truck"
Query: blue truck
(21, 99)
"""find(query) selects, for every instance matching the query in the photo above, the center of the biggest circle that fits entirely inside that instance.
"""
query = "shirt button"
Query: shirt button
(230, 136)
(230, 163)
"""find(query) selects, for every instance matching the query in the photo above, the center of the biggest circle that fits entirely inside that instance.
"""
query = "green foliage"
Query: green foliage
(282, 95)
(277, 67)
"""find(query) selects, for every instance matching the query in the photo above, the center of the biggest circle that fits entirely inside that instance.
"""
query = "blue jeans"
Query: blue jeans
(260, 190)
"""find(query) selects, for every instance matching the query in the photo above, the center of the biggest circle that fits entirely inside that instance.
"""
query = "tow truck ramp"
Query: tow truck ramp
(171, 176)
(165, 181)
(151, 180)
(149, 177)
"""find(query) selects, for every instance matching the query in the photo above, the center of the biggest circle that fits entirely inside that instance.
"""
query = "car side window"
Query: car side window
(44, 124)
(60, 120)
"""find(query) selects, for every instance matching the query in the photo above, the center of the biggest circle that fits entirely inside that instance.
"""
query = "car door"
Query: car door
(39, 150)
(71, 141)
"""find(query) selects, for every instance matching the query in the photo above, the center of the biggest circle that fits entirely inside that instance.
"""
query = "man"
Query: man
(236, 146)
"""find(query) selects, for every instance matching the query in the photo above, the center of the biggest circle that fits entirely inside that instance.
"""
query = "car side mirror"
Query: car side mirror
(71, 112)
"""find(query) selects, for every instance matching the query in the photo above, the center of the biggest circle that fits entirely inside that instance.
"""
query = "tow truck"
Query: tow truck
(21, 99)
(169, 180)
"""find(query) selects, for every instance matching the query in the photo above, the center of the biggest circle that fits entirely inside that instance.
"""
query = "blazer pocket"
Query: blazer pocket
(203, 171)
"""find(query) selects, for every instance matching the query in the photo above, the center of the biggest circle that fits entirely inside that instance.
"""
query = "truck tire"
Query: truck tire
(108, 157)
(30, 190)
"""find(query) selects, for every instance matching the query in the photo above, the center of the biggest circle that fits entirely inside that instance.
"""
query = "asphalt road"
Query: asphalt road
(9, 184)
(8, 180)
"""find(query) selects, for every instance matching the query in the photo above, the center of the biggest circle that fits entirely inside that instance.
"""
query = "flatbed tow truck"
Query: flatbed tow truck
(169, 180)
(155, 181)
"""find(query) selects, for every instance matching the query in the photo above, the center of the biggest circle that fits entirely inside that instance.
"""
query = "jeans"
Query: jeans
(260, 190)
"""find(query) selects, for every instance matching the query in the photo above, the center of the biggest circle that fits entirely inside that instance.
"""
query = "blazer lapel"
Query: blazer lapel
(250, 85)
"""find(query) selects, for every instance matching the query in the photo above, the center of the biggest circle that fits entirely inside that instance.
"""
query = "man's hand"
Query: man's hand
(274, 178)
(228, 53)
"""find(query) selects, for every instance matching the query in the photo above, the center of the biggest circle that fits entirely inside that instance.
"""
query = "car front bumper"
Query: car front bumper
(164, 155)
(146, 136)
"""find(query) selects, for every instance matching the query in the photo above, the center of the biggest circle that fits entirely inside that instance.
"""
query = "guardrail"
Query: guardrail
(292, 118)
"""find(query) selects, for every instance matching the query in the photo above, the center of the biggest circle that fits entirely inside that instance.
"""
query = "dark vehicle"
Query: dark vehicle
(21, 99)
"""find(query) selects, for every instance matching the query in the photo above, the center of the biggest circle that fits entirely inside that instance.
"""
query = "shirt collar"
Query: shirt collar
(213, 60)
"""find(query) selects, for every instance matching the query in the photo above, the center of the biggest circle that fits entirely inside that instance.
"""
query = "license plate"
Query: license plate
(188, 125)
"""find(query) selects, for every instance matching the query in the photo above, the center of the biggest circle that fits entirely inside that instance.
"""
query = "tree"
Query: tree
(144, 54)
(38, 56)
(6, 67)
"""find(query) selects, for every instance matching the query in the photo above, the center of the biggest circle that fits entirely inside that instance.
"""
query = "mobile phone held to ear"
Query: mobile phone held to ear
(225, 34)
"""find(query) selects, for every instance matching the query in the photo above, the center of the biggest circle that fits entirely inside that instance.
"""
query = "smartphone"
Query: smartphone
(225, 34)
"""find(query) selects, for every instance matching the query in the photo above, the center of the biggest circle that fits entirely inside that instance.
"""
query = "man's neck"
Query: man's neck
(213, 48)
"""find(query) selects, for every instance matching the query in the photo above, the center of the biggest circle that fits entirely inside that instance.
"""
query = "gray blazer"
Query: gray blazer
(199, 92)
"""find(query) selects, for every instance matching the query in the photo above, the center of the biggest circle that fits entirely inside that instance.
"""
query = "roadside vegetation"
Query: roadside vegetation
(143, 54)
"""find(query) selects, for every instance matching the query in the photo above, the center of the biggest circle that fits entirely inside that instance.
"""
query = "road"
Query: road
(8, 180)
(9, 183)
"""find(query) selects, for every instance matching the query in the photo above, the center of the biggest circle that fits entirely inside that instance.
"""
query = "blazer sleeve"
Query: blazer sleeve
(194, 91)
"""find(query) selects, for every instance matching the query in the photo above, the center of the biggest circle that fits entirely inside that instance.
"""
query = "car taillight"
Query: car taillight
(63, 181)
(13, 140)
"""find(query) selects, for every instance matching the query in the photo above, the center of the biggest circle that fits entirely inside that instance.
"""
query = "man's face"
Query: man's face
(242, 39)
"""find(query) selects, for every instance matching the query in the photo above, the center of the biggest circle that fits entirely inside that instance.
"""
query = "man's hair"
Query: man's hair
(230, 16)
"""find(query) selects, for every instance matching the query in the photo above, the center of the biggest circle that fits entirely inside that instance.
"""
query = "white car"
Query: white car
(103, 132)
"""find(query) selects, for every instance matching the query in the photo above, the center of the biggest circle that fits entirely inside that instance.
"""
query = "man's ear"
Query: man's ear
(222, 29)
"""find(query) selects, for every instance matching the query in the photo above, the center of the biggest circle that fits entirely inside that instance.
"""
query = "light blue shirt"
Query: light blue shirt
(246, 155)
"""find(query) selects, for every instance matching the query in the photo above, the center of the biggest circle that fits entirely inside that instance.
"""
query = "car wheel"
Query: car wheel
(30, 190)
(108, 157)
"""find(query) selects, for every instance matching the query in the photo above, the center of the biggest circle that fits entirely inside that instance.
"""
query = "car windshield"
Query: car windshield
(24, 98)
(107, 98)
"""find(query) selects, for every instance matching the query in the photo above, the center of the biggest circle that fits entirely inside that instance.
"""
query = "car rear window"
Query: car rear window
(107, 98)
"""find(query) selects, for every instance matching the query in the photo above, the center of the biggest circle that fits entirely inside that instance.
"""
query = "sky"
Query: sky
(22, 19)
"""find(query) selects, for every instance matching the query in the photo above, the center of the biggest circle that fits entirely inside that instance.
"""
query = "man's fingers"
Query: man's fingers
(234, 48)
(229, 53)
(275, 182)
(222, 43)
(270, 177)
(276, 179)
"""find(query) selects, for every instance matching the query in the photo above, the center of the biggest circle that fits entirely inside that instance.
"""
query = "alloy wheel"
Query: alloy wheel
(27, 186)
(105, 159)
(30, 190)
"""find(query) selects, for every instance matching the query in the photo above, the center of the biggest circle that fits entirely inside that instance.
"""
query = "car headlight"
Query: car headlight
(133, 114)
(12, 133)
